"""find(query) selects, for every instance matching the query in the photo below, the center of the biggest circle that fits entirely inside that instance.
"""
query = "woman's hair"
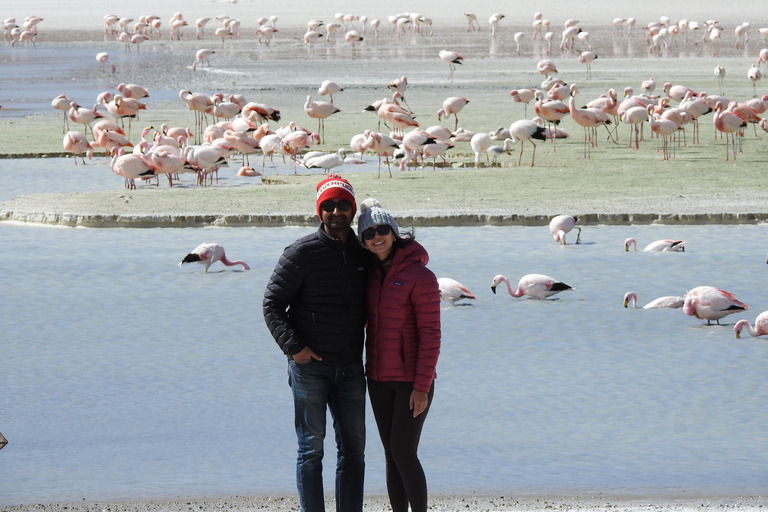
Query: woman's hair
(404, 238)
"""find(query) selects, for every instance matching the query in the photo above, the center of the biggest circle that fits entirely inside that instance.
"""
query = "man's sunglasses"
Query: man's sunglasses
(383, 230)
(330, 206)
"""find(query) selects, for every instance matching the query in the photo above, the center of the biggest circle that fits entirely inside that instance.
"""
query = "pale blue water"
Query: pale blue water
(125, 376)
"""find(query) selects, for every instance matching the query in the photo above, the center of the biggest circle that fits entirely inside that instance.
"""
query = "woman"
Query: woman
(402, 346)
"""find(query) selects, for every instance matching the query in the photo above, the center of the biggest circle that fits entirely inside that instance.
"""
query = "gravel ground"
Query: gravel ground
(595, 503)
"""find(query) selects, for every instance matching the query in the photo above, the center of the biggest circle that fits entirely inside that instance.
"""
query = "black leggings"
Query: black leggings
(400, 433)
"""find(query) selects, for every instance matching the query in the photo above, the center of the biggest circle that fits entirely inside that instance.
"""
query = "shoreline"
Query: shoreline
(678, 501)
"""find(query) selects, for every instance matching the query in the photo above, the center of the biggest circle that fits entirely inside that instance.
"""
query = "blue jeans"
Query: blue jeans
(317, 386)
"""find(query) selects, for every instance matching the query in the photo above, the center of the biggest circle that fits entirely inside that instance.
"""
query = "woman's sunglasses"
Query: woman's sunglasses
(329, 206)
(370, 233)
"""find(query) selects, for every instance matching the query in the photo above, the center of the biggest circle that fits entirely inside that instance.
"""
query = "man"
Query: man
(314, 306)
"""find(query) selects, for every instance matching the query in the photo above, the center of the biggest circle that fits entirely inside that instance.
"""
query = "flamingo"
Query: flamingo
(720, 74)
(200, 24)
(586, 118)
(131, 167)
(552, 111)
(328, 161)
(668, 301)
(480, 143)
(728, 123)
(452, 59)
(635, 116)
(587, 58)
(663, 128)
(538, 286)
(202, 56)
(523, 96)
(561, 225)
(755, 75)
(657, 246)
(434, 150)
(472, 20)
(710, 303)
(399, 85)
(84, 116)
(523, 130)
(452, 291)
(452, 106)
(133, 91)
(320, 110)
(546, 67)
(382, 144)
(208, 253)
(61, 102)
(103, 59)
(330, 88)
(760, 329)
(77, 144)
(493, 22)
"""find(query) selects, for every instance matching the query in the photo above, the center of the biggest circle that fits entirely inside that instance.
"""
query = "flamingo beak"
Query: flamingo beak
(493, 288)
(626, 302)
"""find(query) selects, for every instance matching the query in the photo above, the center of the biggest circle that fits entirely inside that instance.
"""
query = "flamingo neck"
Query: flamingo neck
(229, 263)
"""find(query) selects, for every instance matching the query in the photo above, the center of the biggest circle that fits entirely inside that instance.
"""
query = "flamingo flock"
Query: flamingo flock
(669, 109)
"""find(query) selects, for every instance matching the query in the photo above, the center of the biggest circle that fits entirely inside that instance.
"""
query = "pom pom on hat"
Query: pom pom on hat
(335, 187)
(372, 214)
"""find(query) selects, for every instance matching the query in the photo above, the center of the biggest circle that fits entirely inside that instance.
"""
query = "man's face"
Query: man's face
(337, 214)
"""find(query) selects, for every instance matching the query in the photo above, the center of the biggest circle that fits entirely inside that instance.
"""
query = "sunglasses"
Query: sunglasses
(330, 206)
(370, 233)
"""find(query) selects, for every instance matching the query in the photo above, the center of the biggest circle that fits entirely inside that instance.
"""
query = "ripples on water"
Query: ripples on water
(125, 375)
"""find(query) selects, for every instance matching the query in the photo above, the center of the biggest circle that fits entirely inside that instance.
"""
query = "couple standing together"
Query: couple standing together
(327, 297)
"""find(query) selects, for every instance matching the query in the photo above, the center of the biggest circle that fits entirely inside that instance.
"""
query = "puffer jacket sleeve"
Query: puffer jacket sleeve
(426, 306)
(281, 289)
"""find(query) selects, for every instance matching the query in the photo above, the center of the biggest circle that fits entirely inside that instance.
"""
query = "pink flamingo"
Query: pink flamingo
(668, 301)
(199, 103)
(84, 116)
(452, 106)
(523, 130)
(760, 329)
(61, 102)
(383, 145)
(728, 123)
(452, 59)
(524, 96)
(452, 291)
(657, 246)
(133, 91)
(77, 144)
(587, 118)
(587, 58)
(320, 110)
(202, 56)
(546, 67)
(561, 225)
(209, 253)
(131, 167)
(664, 128)
(329, 87)
(103, 58)
(710, 303)
(538, 286)
(552, 111)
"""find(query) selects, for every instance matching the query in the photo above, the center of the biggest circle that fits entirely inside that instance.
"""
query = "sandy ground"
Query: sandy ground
(674, 502)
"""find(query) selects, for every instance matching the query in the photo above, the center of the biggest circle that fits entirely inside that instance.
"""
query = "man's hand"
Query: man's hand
(305, 355)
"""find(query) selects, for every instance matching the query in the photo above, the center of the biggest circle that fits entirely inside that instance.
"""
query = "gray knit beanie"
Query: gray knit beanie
(372, 214)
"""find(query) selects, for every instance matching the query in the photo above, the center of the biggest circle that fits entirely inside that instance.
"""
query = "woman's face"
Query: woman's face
(380, 245)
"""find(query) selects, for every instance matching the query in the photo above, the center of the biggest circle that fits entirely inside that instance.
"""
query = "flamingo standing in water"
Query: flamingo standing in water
(538, 286)
(561, 225)
(657, 246)
(452, 59)
(760, 329)
(320, 110)
(209, 253)
(668, 301)
(710, 303)
(452, 291)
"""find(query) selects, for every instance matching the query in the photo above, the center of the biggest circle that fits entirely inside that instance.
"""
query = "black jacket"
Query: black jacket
(316, 298)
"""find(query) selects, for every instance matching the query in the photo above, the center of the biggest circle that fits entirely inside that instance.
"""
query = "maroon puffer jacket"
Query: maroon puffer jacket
(403, 333)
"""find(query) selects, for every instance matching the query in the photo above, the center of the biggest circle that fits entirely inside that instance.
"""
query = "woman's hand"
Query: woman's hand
(418, 402)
